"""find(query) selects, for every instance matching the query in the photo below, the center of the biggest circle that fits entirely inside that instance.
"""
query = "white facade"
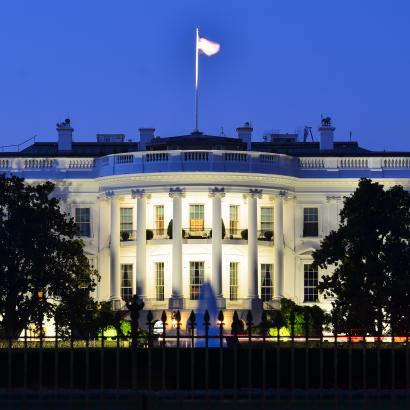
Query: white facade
(297, 198)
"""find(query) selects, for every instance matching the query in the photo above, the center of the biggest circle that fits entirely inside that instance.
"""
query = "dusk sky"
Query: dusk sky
(115, 66)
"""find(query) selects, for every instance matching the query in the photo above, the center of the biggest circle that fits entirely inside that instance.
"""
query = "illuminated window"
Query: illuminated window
(126, 219)
(159, 280)
(310, 221)
(266, 281)
(196, 217)
(83, 221)
(126, 281)
(233, 280)
(310, 283)
(266, 219)
(159, 219)
(233, 219)
(196, 273)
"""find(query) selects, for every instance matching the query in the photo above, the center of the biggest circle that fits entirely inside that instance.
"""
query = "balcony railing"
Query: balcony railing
(188, 233)
(127, 235)
(206, 233)
(265, 235)
(157, 234)
(234, 234)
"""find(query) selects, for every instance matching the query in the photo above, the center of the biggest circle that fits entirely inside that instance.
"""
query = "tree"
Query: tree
(42, 263)
(370, 256)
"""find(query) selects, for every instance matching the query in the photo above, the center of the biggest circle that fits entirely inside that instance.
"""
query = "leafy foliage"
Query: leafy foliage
(370, 258)
(42, 262)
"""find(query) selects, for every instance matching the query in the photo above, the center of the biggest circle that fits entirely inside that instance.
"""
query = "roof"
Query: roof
(199, 141)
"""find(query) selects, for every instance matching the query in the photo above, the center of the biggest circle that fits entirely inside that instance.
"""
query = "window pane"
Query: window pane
(266, 219)
(310, 283)
(196, 270)
(159, 219)
(310, 222)
(83, 221)
(196, 217)
(159, 283)
(233, 218)
(126, 281)
(126, 219)
(266, 281)
(233, 280)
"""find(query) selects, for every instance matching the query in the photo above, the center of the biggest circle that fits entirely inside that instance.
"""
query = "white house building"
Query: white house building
(161, 216)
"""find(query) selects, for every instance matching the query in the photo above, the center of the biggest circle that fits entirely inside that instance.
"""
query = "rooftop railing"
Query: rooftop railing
(199, 161)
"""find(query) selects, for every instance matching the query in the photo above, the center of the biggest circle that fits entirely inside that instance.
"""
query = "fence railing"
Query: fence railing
(210, 354)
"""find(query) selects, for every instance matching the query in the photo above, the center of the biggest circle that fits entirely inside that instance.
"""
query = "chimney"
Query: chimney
(65, 135)
(326, 131)
(146, 136)
(245, 134)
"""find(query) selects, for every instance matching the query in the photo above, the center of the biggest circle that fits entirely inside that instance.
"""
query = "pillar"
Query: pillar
(278, 247)
(253, 292)
(140, 285)
(216, 279)
(115, 279)
(176, 301)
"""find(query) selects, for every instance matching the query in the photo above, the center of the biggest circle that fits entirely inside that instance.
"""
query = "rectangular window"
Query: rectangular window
(126, 219)
(83, 221)
(196, 273)
(310, 283)
(159, 280)
(126, 281)
(233, 280)
(159, 219)
(266, 281)
(310, 221)
(233, 219)
(196, 217)
(266, 219)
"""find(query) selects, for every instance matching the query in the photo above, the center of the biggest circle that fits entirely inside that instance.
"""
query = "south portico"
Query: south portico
(179, 298)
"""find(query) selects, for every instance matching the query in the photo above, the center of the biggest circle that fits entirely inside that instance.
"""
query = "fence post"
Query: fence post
(206, 325)
(292, 319)
(221, 330)
(235, 341)
(164, 326)
(192, 323)
(178, 364)
(249, 323)
(150, 318)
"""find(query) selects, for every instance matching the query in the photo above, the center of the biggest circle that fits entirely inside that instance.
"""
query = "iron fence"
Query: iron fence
(205, 357)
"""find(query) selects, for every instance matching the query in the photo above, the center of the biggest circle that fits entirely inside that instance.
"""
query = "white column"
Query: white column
(115, 280)
(176, 301)
(216, 279)
(253, 293)
(278, 247)
(140, 286)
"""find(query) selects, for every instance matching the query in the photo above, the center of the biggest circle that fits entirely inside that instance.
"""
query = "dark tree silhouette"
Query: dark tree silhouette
(42, 263)
(370, 258)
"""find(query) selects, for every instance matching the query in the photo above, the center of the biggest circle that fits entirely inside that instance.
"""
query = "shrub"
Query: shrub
(149, 234)
(244, 234)
(268, 235)
(125, 235)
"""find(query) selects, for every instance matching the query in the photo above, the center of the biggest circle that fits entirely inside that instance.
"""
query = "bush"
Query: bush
(169, 229)
(268, 235)
(149, 234)
(244, 234)
(125, 235)
(223, 230)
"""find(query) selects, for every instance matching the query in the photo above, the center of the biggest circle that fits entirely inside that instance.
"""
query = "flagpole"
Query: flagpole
(196, 78)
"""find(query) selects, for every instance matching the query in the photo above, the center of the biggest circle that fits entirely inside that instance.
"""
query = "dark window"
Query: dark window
(196, 272)
(266, 282)
(310, 283)
(83, 221)
(126, 282)
(310, 222)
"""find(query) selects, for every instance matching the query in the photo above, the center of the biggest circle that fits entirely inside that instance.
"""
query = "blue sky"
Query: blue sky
(115, 66)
